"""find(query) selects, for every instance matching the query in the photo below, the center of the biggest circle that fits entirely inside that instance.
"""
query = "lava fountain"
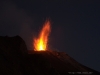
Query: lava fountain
(40, 43)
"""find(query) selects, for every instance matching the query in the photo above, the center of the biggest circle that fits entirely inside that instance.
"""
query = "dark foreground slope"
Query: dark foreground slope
(58, 63)
(16, 60)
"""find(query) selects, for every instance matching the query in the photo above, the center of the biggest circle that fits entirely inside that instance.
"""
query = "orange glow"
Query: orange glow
(40, 43)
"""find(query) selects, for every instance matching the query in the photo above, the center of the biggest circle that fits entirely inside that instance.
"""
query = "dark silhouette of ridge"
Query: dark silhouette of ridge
(15, 59)
(61, 62)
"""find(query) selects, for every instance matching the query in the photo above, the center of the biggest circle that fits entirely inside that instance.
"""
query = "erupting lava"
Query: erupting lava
(40, 43)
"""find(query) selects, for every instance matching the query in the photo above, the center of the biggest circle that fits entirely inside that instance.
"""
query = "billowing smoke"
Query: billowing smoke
(15, 21)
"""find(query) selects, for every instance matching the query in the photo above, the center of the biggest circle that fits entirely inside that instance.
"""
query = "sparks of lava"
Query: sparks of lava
(40, 43)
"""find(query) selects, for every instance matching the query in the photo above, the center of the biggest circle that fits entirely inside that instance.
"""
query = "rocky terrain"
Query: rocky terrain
(15, 59)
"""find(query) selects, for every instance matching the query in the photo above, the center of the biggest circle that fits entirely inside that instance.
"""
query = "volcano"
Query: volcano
(15, 59)
(57, 63)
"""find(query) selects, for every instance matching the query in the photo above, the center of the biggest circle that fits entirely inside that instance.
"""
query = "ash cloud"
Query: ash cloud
(15, 21)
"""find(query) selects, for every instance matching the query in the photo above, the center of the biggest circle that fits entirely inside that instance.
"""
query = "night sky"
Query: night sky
(75, 25)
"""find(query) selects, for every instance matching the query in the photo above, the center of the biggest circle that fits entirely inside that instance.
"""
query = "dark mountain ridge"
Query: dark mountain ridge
(63, 63)
(15, 59)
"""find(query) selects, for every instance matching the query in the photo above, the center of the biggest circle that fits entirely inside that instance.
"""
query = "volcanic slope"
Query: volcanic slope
(57, 63)
(15, 59)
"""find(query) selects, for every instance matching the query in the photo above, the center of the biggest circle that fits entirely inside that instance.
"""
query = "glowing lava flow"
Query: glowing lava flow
(40, 43)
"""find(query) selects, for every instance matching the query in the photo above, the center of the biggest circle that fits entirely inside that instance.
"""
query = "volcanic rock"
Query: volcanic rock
(57, 63)
(12, 51)
(15, 59)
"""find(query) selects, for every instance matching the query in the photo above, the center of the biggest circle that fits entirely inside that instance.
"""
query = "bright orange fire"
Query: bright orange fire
(40, 43)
